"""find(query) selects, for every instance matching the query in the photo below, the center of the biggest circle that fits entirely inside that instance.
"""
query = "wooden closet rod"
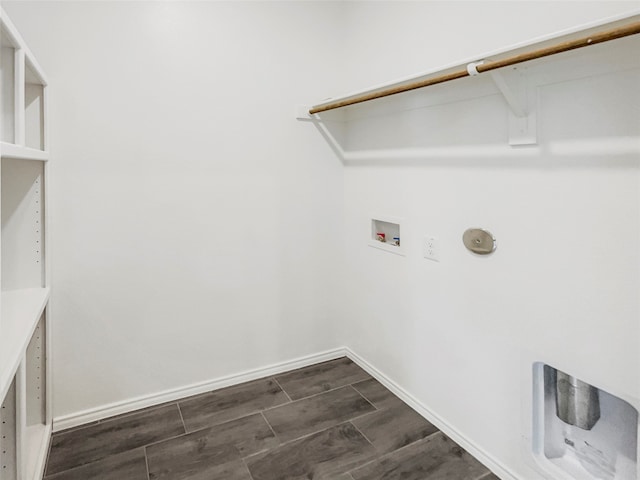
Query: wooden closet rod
(594, 39)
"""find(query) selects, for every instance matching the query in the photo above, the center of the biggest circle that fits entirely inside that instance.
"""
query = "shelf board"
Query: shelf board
(10, 150)
(20, 312)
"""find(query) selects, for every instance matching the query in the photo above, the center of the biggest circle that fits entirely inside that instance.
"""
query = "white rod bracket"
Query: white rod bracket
(472, 68)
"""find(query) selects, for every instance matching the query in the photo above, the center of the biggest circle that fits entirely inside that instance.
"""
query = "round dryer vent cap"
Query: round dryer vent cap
(479, 241)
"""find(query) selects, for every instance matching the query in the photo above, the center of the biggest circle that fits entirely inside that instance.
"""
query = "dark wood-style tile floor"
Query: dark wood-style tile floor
(330, 421)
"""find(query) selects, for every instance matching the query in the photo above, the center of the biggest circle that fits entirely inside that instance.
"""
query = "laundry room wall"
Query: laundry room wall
(459, 335)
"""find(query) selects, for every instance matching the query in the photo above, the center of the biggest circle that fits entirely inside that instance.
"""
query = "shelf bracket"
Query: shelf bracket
(522, 100)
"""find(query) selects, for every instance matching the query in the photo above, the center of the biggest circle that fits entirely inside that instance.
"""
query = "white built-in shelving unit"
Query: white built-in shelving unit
(25, 415)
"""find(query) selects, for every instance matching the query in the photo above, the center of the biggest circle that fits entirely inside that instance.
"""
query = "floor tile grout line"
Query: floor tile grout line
(271, 428)
(247, 467)
(187, 432)
(384, 455)
(151, 444)
(376, 457)
(146, 462)
(315, 395)
(282, 388)
(423, 439)
(322, 429)
(120, 453)
(346, 420)
(233, 419)
(101, 422)
(325, 391)
(77, 467)
(301, 437)
(184, 425)
(485, 475)
(362, 415)
(364, 398)
(300, 399)
(362, 433)
(366, 414)
(352, 385)
(369, 462)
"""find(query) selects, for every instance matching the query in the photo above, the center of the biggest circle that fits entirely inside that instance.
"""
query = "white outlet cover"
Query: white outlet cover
(431, 248)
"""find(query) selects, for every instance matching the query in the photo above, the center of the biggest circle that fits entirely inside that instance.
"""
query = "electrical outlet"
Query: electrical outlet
(431, 248)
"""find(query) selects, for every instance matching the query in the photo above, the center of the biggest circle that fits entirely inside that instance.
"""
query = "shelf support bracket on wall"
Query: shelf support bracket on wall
(522, 101)
(512, 98)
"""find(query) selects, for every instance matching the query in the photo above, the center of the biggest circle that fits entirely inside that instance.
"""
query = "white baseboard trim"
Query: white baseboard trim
(487, 460)
(117, 408)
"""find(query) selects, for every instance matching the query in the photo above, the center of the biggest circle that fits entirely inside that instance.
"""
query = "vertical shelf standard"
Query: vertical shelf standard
(37, 433)
(8, 436)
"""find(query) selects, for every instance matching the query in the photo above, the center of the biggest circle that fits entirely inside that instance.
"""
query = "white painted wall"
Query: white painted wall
(192, 214)
(461, 335)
